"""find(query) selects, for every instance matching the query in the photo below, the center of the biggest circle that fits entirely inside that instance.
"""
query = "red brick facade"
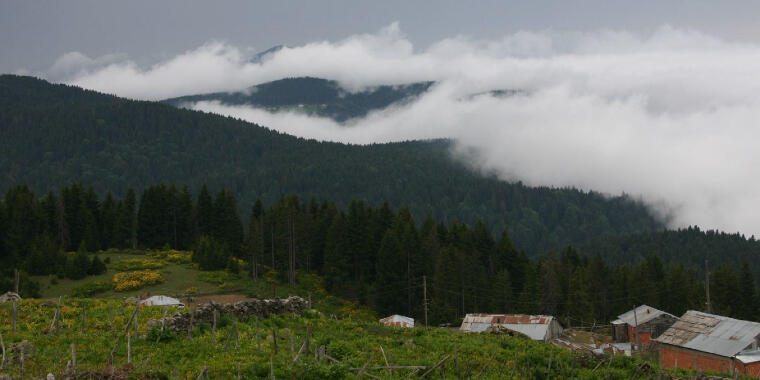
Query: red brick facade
(677, 357)
(751, 369)
(645, 338)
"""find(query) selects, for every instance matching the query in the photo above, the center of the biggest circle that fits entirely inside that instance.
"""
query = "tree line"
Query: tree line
(377, 256)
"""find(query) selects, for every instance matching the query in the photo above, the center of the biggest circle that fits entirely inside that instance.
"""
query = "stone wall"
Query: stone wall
(253, 308)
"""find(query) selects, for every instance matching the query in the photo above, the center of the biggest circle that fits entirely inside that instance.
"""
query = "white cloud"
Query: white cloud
(671, 116)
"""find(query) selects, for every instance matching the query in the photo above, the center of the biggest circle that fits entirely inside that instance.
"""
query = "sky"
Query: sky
(659, 100)
(34, 33)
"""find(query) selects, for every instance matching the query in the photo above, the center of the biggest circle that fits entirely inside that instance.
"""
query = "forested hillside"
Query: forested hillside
(377, 256)
(315, 96)
(53, 135)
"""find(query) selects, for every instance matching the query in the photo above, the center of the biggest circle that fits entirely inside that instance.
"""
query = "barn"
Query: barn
(709, 342)
(536, 327)
(641, 325)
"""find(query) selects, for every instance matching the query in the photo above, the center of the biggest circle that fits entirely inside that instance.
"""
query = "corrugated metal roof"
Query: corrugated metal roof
(532, 326)
(749, 356)
(710, 333)
(395, 318)
(161, 301)
(643, 315)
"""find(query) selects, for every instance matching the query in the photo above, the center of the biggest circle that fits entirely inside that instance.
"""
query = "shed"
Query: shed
(643, 322)
(703, 341)
(536, 327)
(161, 301)
(398, 321)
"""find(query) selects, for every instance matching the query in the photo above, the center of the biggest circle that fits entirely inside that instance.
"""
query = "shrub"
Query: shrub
(135, 280)
(91, 288)
(135, 264)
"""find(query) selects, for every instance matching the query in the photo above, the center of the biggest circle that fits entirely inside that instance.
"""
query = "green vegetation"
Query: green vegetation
(351, 341)
(313, 96)
(374, 256)
(53, 135)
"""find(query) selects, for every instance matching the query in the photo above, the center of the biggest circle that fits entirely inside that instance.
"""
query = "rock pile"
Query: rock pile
(9, 297)
(254, 308)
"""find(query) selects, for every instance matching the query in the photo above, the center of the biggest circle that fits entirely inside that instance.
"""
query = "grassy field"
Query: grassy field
(350, 334)
(353, 342)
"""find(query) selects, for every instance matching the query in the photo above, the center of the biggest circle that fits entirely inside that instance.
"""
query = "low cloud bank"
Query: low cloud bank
(671, 117)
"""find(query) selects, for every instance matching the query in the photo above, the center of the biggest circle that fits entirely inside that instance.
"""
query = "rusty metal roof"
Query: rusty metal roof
(643, 315)
(711, 333)
(532, 326)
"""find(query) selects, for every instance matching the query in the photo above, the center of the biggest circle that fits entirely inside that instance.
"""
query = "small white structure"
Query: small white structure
(398, 321)
(161, 301)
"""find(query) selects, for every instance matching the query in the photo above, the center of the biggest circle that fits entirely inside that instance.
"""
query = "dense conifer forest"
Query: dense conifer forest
(315, 96)
(54, 135)
(377, 256)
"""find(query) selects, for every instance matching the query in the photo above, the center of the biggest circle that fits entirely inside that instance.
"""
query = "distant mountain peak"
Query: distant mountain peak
(259, 57)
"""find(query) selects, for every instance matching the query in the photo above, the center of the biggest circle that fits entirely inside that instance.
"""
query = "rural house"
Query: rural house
(641, 325)
(536, 327)
(398, 320)
(710, 342)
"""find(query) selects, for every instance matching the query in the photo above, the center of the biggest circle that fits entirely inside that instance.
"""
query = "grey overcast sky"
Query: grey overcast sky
(34, 33)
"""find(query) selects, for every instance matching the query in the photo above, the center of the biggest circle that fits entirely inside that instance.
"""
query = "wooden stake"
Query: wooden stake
(385, 358)
(238, 372)
(304, 347)
(129, 348)
(137, 317)
(14, 311)
(203, 374)
(271, 368)
(21, 368)
(190, 325)
(73, 356)
(364, 367)
(292, 343)
(237, 336)
(2, 346)
(258, 338)
(17, 279)
(436, 366)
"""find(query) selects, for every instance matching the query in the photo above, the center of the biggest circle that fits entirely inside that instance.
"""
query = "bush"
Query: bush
(135, 264)
(155, 334)
(135, 280)
(91, 288)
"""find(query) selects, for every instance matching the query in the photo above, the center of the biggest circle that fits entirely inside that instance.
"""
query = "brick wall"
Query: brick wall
(752, 369)
(675, 357)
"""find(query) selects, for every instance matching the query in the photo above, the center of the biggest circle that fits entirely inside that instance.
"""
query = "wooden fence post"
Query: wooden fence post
(16, 279)
(271, 368)
(74, 356)
(21, 367)
(14, 311)
(274, 339)
(129, 348)
(258, 338)
(2, 346)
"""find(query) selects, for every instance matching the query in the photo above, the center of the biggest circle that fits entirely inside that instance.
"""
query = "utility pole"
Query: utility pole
(424, 295)
(636, 328)
(707, 287)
